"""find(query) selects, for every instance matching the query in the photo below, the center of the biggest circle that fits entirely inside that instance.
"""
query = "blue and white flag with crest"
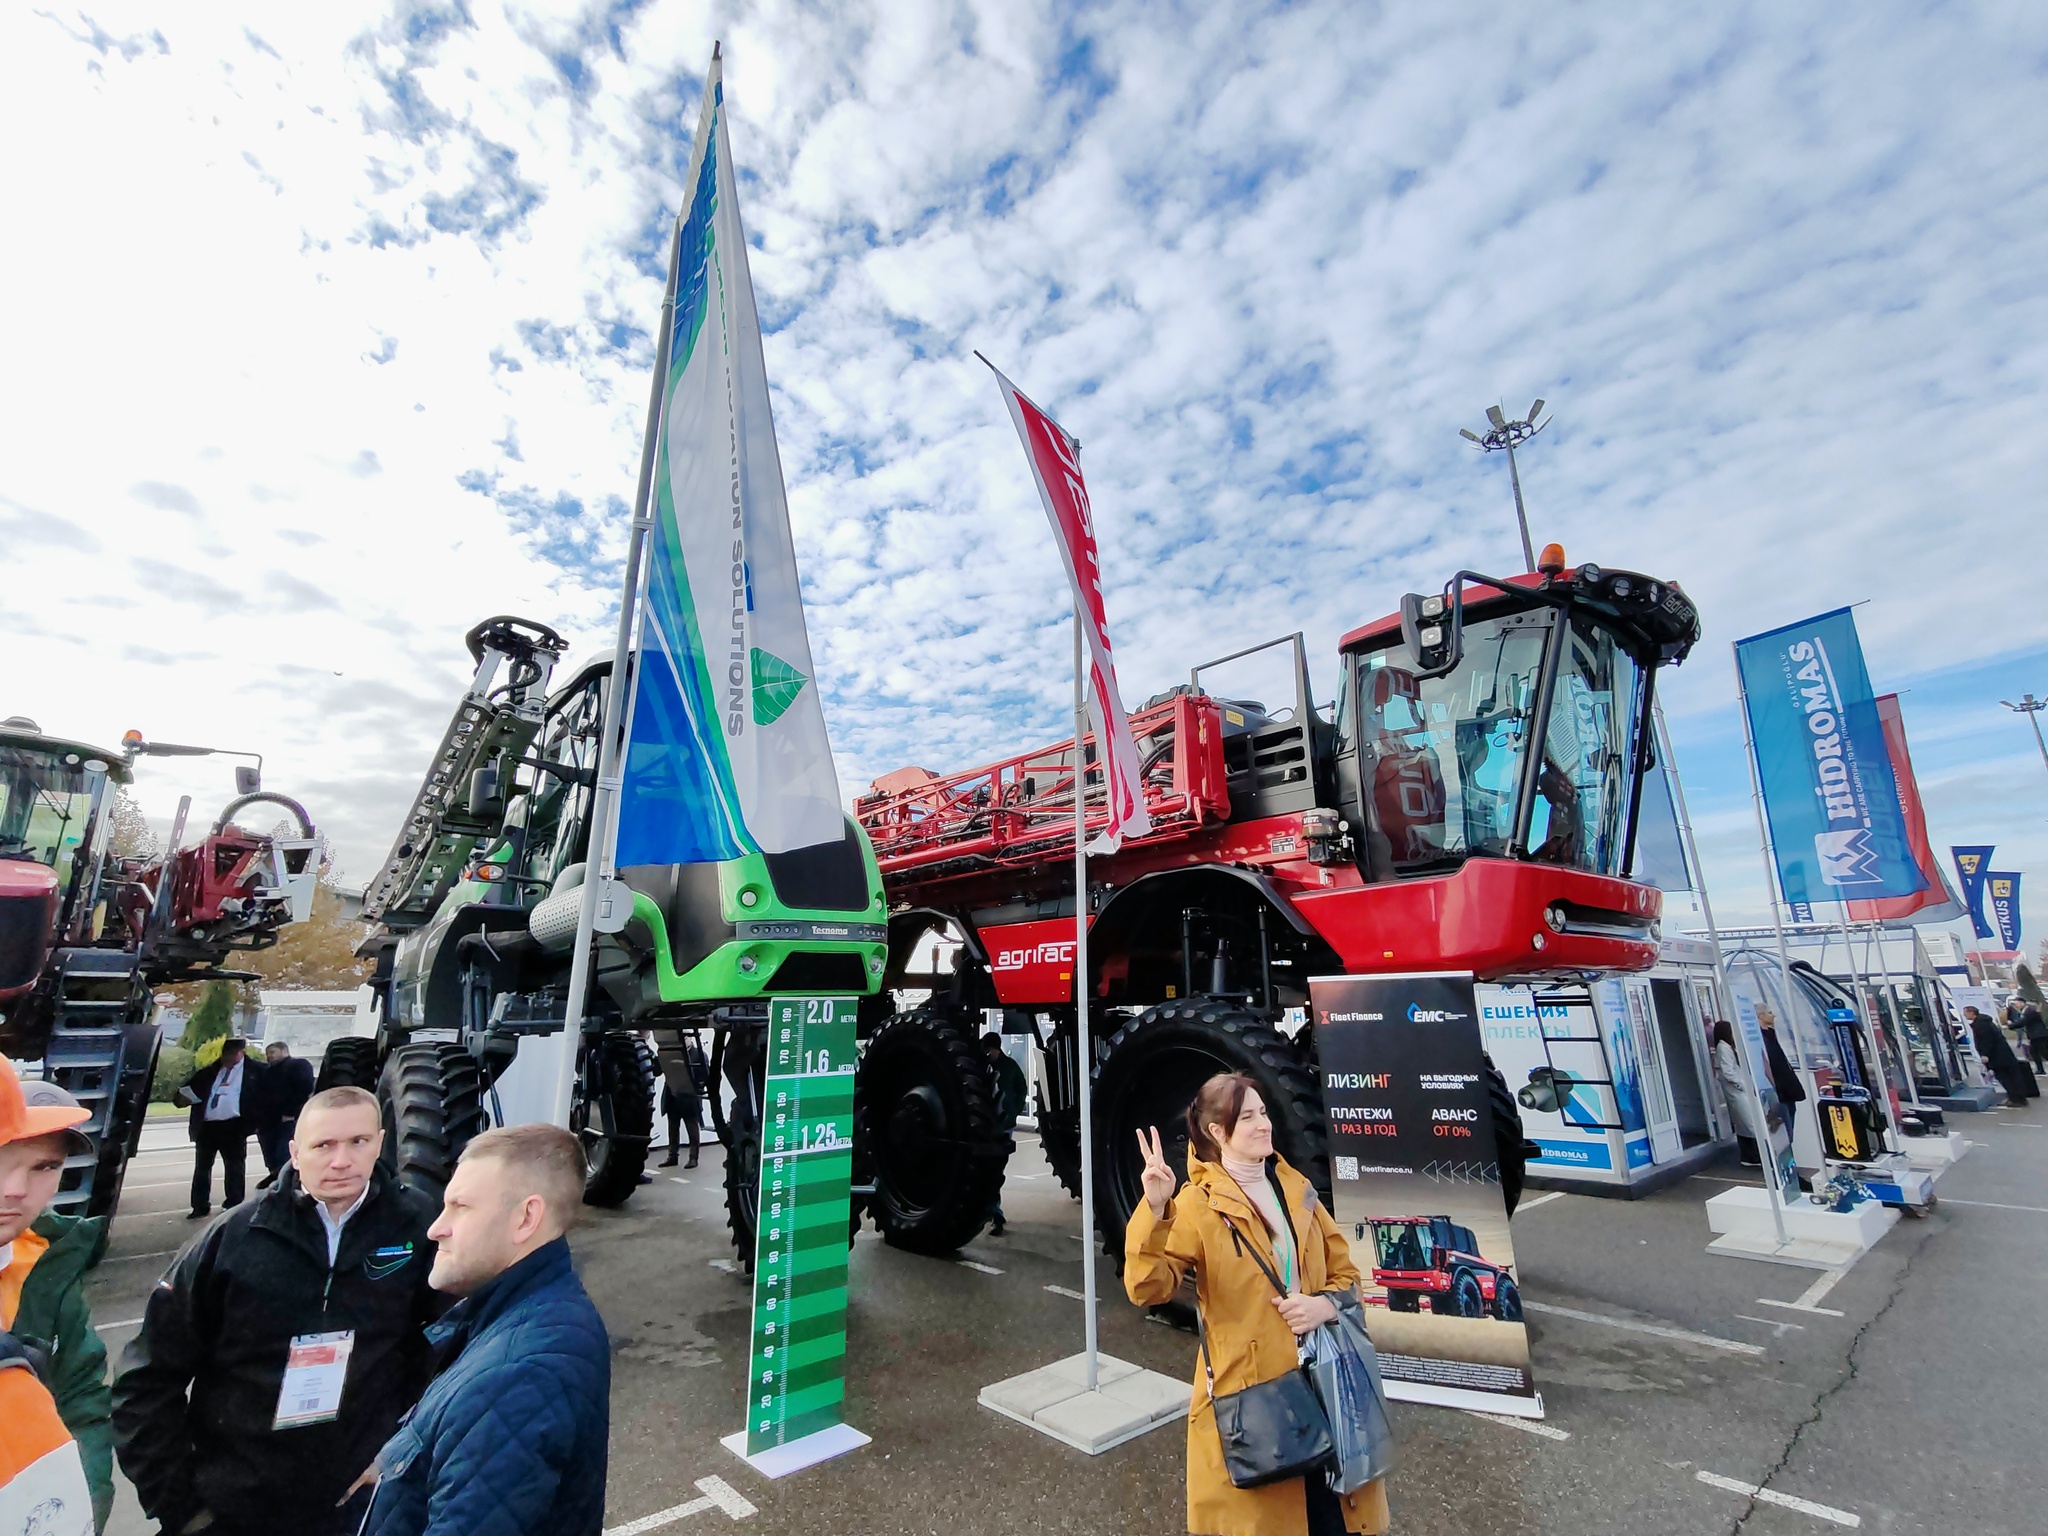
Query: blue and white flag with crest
(727, 752)
(1837, 827)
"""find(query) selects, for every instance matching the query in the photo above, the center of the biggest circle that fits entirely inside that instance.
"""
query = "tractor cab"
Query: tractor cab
(53, 814)
(1490, 747)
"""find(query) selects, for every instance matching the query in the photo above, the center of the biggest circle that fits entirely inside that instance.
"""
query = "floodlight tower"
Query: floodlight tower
(2031, 707)
(1510, 435)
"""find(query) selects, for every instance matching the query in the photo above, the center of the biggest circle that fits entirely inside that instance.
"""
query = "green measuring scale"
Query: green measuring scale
(797, 1377)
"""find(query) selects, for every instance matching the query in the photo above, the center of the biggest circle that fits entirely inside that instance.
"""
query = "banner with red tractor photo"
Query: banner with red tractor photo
(1416, 1182)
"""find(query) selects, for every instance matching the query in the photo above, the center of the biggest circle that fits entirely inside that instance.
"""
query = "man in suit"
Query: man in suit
(223, 1098)
(287, 1084)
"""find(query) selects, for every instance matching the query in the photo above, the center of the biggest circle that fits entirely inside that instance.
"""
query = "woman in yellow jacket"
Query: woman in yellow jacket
(1240, 1196)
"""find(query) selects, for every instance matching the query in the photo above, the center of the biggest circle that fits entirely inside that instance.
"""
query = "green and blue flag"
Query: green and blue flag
(726, 752)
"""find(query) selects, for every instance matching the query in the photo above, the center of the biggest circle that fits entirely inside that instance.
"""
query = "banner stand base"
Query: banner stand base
(1815, 1238)
(1054, 1400)
(781, 1460)
(1507, 1405)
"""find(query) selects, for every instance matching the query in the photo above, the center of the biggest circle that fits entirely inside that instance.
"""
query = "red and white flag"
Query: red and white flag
(1056, 465)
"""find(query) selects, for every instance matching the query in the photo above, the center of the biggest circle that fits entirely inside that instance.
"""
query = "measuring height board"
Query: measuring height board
(797, 1370)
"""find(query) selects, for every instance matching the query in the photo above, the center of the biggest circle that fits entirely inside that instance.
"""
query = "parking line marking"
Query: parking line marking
(985, 1269)
(126, 1322)
(123, 1258)
(717, 1494)
(1793, 1306)
(674, 1180)
(1526, 1426)
(1061, 1290)
(1530, 1205)
(1778, 1329)
(1993, 1205)
(1783, 1500)
(1655, 1330)
(1811, 1296)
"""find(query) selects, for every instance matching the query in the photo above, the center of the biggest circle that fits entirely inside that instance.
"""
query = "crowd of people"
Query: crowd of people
(338, 1355)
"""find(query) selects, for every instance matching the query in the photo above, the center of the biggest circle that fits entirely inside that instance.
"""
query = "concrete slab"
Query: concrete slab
(1815, 1238)
(1054, 1400)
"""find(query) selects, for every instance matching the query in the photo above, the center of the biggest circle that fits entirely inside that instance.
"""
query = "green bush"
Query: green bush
(174, 1068)
(211, 1019)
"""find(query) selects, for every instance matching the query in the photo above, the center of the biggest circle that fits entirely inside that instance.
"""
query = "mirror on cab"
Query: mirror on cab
(1431, 629)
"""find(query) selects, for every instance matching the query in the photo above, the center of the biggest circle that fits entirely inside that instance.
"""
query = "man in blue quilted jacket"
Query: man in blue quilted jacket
(511, 1436)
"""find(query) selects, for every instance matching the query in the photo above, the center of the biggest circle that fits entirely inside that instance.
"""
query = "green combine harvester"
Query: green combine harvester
(474, 915)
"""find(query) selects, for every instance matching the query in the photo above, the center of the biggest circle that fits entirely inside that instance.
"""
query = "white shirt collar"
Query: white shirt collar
(335, 1224)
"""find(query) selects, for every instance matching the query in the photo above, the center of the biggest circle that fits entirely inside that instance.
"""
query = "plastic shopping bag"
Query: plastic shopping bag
(1345, 1371)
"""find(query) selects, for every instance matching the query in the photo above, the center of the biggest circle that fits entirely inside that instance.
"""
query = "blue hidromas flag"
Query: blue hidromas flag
(727, 752)
(1836, 822)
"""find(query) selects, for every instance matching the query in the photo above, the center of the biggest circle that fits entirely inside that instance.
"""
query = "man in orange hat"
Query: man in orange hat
(56, 1439)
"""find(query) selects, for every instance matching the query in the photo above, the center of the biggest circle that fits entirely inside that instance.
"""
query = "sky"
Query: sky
(328, 334)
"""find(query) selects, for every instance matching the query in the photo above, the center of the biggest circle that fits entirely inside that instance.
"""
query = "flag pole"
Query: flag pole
(1084, 1046)
(1773, 1174)
(597, 860)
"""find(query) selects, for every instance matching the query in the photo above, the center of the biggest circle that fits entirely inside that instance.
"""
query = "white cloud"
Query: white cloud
(312, 307)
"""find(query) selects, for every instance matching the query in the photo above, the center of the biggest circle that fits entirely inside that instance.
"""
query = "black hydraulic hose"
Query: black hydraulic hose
(235, 806)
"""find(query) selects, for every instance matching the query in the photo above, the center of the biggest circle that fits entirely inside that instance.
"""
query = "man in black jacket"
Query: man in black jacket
(286, 1085)
(283, 1346)
(224, 1099)
(1784, 1079)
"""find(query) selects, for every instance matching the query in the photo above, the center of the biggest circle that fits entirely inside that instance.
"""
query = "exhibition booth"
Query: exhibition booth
(1614, 1079)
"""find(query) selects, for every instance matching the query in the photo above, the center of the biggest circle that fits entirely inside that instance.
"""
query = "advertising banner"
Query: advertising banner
(1056, 466)
(1417, 1185)
(1971, 863)
(1836, 825)
(2002, 896)
(1555, 1063)
(726, 753)
(1749, 1032)
(1936, 904)
(796, 1383)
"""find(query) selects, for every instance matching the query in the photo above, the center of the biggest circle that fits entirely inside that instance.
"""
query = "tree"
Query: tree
(174, 1068)
(2030, 989)
(318, 954)
(210, 1020)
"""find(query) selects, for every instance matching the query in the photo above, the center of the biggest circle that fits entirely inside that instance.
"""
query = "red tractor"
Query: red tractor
(1469, 803)
(1433, 1258)
(86, 933)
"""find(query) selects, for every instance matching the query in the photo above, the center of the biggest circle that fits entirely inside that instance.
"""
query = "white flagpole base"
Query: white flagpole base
(1814, 1238)
(1127, 1401)
(781, 1460)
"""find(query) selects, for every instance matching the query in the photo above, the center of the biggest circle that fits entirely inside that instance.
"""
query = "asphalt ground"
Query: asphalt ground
(1919, 1408)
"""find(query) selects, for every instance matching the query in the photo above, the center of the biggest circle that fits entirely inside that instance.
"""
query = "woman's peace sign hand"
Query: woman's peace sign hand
(1157, 1177)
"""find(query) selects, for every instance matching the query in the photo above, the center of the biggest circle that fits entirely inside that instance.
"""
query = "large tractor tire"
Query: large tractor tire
(432, 1097)
(350, 1062)
(737, 1063)
(1059, 1137)
(613, 1115)
(1512, 1149)
(1155, 1065)
(925, 1108)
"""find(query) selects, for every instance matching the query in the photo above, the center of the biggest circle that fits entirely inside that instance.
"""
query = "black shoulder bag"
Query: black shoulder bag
(1272, 1430)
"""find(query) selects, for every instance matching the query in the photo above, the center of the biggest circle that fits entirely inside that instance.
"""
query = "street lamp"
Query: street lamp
(1511, 435)
(2031, 707)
